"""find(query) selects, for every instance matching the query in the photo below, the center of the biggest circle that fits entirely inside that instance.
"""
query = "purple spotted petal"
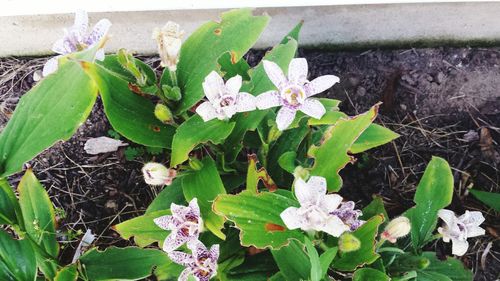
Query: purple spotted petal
(245, 102)
(181, 258)
(166, 222)
(184, 276)
(285, 117)
(98, 32)
(213, 86)
(81, 25)
(275, 73)
(214, 252)
(313, 108)
(321, 84)
(175, 239)
(297, 71)
(268, 99)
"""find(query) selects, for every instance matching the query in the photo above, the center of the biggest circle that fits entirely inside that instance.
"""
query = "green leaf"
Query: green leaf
(255, 175)
(314, 261)
(294, 33)
(258, 217)
(168, 271)
(112, 64)
(9, 207)
(366, 253)
(287, 161)
(491, 199)
(195, 131)
(451, 268)
(17, 259)
(434, 192)
(375, 135)
(236, 33)
(206, 185)
(50, 112)
(143, 229)
(326, 259)
(67, 273)
(170, 194)
(376, 207)
(130, 114)
(281, 54)
(293, 262)
(232, 68)
(371, 274)
(128, 263)
(336, 141)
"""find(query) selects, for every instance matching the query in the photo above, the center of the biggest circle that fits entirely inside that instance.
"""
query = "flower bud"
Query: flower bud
(195, 164)
(397, 228)
(157, 174)
(163, 113)
(169, 44)
(348, 242)
(301, 172)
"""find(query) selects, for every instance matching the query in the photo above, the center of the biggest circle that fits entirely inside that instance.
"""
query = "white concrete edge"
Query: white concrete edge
(332, 25)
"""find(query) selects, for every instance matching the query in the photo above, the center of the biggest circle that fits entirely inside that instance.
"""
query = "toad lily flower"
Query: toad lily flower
(77, 38)
(349, 215)
(185, 225)
(458, 229)
(202, 264)
(224, 100)
(315, 208)
(295, 92)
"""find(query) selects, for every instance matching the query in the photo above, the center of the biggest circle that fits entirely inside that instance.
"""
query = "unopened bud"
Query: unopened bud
(163, 113)
(348, 242)
(195, 164)
(397, 228)
(157, 174)
(301, 172)
(169, 44)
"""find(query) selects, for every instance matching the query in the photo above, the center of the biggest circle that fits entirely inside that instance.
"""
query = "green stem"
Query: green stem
(173, 78)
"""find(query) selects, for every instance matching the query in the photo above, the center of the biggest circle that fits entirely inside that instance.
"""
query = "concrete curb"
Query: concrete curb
(343, 25)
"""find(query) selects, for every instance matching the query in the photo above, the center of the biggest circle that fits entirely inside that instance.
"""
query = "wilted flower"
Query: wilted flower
(315, 208)
(169, 39)
(349, 215)
(458, 229)
(157, 174)
(294, 92)
(202, 264)
(224, 100)
(185, 225)
(77, 38)
(396, 228)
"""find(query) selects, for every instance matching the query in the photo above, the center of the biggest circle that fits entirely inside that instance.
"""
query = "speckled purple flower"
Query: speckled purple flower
(349, 215)
(77, 38)
(295, 92)
(185, 225)
(201, 264)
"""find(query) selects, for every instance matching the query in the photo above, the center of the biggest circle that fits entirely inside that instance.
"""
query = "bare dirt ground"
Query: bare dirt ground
(442, 101)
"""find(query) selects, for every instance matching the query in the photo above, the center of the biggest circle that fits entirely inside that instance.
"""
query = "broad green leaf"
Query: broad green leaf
(279, 276)
(17, 259)
(67, 273)
(236, 33)
(365, 274)
(434, 192)
(336, 141)
(451, 268)
(112, 64)
(255, 175)
(231, 68)
(170, 194)
(38, 213)
(376, 207)
(130, 114)
(39, 222)
(375, 135)
(258, 217)
(326, 259)
(168, 271)
(262, 263)
(314, 261)
(143, 229)
(294, 33)
(293, 262)
(491, 199)
(287, 161)
(195, 131)
(50, 112)
(206, 185)
(281, 54)
(366, 253)
(128, 263)
(9, 207)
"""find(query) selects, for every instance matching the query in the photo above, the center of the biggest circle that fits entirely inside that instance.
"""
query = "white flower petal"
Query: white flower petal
(290, 218)
(174, 241)
(184, 276)
(274, 73)
(214, 251)
(100, 55)
(313, 108)
(164, 222)
(472, 218)
(180, 258)
(321, 83)
(285, 118)
(50, 66)
(245, 102)
(227, 112)
(331, 202)
(475, 231)
(447, 216)
(99, 31)
(305, 193)
(81, 23)
(334, 226)
(193, 204)
(213, 86)
(207, 111)
(233, 85)
(268, 99)
(59, 47)
(318, 184)
(297, 71)
(459, 247)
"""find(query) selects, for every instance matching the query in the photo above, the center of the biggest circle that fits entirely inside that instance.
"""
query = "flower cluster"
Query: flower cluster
(293, 94)
(458, 229)
(185, 225)
(319, 211)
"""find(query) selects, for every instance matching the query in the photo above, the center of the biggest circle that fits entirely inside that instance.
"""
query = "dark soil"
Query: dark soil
(443, 102)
